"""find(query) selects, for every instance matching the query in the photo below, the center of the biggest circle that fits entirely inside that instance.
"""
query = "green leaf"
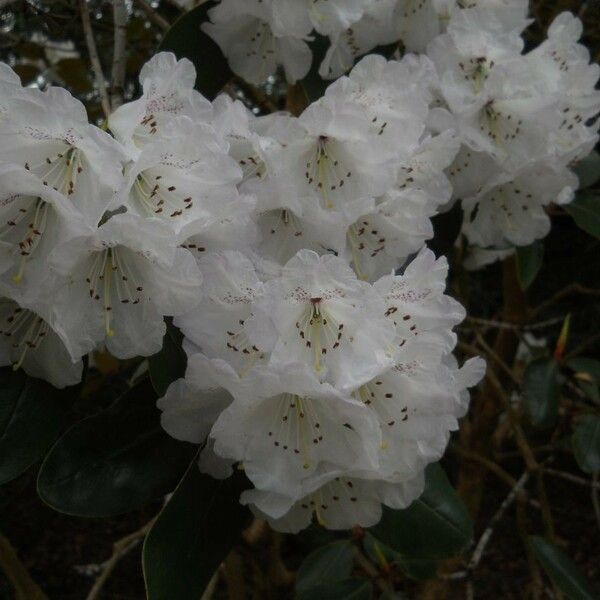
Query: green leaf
(325, 565)
(585, 210)
(567, 577)
(348, 589)
(32, 414)
(437, 525)
(170, 363)
(588, 170)
(114, 461)
(541, 391)
(192, 535)
(586, 443)
(186, 40)
(529, 262)
(587, 375)
(416, 568)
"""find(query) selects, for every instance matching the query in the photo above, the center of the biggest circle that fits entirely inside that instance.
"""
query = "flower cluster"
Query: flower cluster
(290, 250)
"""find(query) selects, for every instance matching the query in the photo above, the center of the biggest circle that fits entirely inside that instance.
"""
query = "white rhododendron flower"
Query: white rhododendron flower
(28, 340)
(290, 249)
(168, 93)
(48, 134)
(122, 278)
(256, 42)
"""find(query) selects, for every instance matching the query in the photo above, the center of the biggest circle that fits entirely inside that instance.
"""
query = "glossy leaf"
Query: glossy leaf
(347, 589)
(437, 525)
(558, 566)
(31, 417)
(186, 40)
(326, 565)
(170, 363)
(529, 262)
(541, 391)
(585, 210)
(588, 170)
(114, 461)
(192, 535)
(586, 443)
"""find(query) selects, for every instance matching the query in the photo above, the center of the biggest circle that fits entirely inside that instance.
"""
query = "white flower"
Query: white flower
(9, 84)
(319, 314)
(417, 407)
(216, 325)
(28, 341)
(184, 175)
(341, 502)
(336, 163)
(48, 134)
(393, 94)
(376, 27)
(286, 428)
(510, 208)
(422, 315)
(123, 278)
(34, 219)
(247, 33)
(418, 22)
(168, 86)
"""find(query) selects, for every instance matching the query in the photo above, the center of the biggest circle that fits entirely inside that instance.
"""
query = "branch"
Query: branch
(17, 574)
(573, 288)
(94, 58)
(159, 21)
(119, 54)
(120, 549)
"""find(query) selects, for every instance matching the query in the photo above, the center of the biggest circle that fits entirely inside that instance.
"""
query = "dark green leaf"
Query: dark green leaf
(31, 416)
(561, 570)
(435, 526)
(588, 170)
(325, 565)
(186, 40)
(541, 391)
(586, 443)
(529, 262)
(169, 364)
(192, 535)
(585, 210)
(348, 589)
(587, 375)
(115, 461)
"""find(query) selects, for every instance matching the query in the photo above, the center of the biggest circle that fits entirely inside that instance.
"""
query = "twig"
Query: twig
(489, 530)
(596, 497)
(94, 58)
(159, 21)
(583, 346)
(120, 548)
(513, 326)
(233, 574)
(119, 54)
(573, 288)
(17, 574)
(572, 478)
(492, 354)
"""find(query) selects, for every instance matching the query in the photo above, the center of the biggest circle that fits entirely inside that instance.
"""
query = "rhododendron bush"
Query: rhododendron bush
(292, 258)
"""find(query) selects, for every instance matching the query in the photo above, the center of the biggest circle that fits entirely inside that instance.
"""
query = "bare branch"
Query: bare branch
(119, 53)
(94, 58)
(120, 549)
(159, 21)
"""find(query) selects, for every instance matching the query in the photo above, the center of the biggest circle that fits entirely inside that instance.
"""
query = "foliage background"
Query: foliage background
(500, 443)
